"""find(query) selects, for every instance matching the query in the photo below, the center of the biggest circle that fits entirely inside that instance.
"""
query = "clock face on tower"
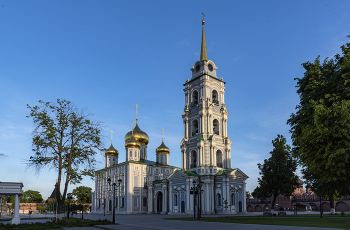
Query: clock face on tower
(210, 66)
(198, 66)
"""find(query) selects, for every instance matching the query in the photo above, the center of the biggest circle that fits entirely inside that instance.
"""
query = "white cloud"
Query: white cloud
(237, 58)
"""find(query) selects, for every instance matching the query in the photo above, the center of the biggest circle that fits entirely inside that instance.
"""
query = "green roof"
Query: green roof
(190, 173)
(157, 181)
(225, 172)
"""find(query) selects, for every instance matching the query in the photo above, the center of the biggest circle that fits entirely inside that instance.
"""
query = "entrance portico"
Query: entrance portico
(12, 188)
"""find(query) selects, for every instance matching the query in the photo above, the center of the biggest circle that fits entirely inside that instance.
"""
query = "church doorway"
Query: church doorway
(240, 206)
(159, 202)
(182, 206)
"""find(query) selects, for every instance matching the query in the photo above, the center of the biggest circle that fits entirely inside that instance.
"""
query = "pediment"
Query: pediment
(237, 173)
(177, 174)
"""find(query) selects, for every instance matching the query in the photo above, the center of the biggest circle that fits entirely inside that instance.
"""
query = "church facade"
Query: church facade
(144, 186)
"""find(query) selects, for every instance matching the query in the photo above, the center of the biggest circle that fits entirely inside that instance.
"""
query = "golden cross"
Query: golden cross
(132, 127)
(203, 15)
(111, 135)
(162, 132)
(136, 109)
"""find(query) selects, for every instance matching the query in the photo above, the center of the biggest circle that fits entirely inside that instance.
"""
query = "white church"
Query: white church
(144, 186)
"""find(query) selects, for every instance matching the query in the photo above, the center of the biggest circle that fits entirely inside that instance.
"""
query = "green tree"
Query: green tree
(66, 139)
(83, 194)
(31, 196)
(41, 208)
(277, 172)
(320, 126)
(248, 195)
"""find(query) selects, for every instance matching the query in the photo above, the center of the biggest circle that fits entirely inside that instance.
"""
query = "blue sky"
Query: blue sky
(108, 55)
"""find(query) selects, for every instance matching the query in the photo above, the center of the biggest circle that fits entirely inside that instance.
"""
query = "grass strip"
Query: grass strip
(35, 218)
(64, 223)
(303, 221)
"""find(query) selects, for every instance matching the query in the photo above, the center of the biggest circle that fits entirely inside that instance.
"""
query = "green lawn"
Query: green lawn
(307, 220)
(64, 223)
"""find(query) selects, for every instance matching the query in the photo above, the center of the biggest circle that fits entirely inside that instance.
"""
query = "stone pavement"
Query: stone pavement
(156, 222)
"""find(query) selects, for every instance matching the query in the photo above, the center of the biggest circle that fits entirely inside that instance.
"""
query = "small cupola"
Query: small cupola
(132, 147)
(163, 152)
(111, 154)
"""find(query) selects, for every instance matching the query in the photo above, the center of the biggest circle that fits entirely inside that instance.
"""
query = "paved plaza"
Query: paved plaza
(157, 222)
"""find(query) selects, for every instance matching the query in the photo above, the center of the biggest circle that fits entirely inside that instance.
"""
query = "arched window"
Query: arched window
(193, 159)
(232, 199)
(194, 128)
(219, 158)
(175, 200)
(216, 127)
(194, 98)
(215, 97)
(219, 198)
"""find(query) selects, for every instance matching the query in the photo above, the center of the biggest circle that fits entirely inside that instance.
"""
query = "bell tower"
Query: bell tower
(205, 148)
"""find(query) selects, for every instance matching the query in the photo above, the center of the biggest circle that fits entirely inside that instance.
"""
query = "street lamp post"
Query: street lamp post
(69, 197)
(200, 198)
(113, 203)
(194, 190)
(197, 190)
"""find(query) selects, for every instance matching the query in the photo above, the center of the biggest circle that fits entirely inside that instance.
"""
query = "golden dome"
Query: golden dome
(162, 149)
(112, 151)
(139, 135)
(132, 143)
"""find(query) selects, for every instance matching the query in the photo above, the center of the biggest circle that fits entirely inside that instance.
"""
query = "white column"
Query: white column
(171, 197)
(213, 195)
(229, 158)
(214, 156)
(207, 196)
(210, 156)
(202, 120)
(129, 190)
(188, 195)
(244, 208)
(199, 156)
(150, 199)
(16, 219)
(93, 199)
(224, 190)
(208, 126)
(182, 160)
(163, 203)
(186, 130)
(166, 200)
(202, 157)
(185, 159)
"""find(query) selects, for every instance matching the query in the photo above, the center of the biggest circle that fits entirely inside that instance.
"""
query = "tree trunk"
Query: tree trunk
(273, 203)
(331, 203)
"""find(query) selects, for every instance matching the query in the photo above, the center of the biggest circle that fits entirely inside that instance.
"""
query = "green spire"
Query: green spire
(204, 55)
